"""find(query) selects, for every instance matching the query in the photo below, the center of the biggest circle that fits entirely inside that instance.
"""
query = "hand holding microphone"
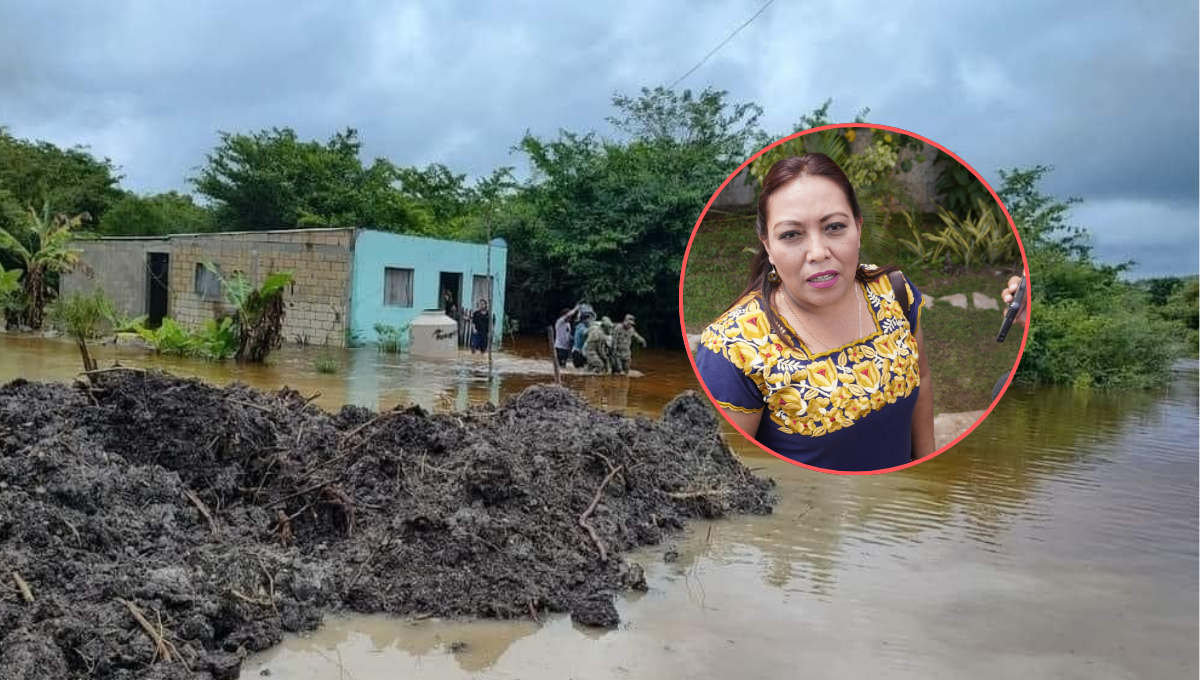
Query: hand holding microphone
(1014, 298)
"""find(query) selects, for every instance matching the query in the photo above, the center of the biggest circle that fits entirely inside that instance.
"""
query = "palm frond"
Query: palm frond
(9, 243)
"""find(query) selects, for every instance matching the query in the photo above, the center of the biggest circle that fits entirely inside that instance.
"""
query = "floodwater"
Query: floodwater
(1058, 540)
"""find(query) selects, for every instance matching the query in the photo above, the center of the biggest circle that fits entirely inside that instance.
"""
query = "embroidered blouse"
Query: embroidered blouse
(848, 409)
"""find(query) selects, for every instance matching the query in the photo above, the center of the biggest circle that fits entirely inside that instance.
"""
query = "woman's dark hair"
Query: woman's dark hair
(780, 174)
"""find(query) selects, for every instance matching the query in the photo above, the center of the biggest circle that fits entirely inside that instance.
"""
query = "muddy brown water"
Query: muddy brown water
(1058, 540)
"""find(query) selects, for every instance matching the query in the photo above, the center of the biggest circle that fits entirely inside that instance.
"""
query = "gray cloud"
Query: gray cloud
(1107, 94)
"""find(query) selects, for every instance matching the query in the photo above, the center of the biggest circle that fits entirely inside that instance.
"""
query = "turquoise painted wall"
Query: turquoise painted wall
(374, 251)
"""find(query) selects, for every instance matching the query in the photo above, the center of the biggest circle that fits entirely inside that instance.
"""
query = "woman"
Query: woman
(817, 359)
(481, 319)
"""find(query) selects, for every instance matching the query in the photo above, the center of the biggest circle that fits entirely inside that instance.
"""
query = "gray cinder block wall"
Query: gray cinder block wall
(119, 266)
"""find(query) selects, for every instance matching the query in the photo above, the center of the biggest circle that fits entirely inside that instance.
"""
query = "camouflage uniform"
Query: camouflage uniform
(622, 340)
(596, 347)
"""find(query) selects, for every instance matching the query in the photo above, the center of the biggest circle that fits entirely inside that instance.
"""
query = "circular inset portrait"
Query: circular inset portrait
(854, 299)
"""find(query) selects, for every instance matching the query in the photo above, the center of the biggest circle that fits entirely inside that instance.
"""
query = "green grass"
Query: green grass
(964, 356)
(717, 268)
(326, 364)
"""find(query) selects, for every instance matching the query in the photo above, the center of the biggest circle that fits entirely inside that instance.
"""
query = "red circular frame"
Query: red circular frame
(1011, 225)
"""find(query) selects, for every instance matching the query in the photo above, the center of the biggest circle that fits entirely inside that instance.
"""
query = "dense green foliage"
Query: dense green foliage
(1088, 326)
(71, 181)
(155, 215)
(957, 190)
(10, 289)
(326, 364)
(606, 221)
(168, 338)
(82, 316)
(273, 180)
(982, 237)
(41, 244)
(392, 339)
(602, 218)
(1177, 301)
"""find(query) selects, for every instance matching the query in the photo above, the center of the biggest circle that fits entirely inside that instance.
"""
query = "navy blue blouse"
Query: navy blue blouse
(848, 409)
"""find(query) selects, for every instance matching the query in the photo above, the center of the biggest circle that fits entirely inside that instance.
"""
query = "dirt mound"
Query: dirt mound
(164, 528)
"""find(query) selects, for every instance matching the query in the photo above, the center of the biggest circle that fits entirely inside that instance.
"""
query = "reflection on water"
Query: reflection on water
(1059, 539)
(377, 381)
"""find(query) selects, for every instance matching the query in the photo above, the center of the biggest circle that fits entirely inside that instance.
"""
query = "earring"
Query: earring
(773, 276)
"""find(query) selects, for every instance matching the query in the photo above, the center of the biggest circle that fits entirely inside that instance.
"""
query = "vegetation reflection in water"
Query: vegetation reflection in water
(1064, 500)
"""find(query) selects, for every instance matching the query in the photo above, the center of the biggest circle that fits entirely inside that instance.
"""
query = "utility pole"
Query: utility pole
(491, 296)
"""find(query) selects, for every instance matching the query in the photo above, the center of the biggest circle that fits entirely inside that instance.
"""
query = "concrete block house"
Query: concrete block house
(346, 280)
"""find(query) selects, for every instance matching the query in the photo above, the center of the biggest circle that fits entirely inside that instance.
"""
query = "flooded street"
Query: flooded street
(1058, 540)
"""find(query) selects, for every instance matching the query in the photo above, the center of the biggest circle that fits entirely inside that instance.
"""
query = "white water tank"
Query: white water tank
(434, 335)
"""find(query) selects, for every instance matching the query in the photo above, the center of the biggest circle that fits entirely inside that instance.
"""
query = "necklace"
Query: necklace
(814, 335)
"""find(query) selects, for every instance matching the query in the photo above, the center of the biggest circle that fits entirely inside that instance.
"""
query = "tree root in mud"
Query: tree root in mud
(204, 512)
(587, 513)
(23, 587)
(164, 649)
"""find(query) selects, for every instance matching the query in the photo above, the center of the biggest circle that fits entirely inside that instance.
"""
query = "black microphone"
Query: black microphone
(1014, 309)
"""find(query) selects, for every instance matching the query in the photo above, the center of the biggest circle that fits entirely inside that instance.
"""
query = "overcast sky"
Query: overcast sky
(1104, 92)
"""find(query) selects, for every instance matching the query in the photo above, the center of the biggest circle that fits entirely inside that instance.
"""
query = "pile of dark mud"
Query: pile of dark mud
(156, 527)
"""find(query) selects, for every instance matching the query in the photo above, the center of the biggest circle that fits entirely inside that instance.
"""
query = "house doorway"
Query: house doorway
(450, 291)
(158, 272)
(450, 300)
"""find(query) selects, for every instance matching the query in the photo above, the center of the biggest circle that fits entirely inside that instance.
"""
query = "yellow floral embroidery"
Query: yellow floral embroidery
(857, 408)
(885, 346)
(785, 399)
(822, 374)
(754, 327)
(742, 354)
(866, 375)
(841, 396)
(877, 400)
(711, 341)
(772, 351)
(818, 395)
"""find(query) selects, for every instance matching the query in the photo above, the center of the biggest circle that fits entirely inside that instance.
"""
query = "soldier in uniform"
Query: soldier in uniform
(596, 346)
(622, 341)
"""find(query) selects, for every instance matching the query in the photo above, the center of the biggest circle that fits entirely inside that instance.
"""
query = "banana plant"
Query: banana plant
(10, 286)
(44, 249)
(168, 338)
(260, 311)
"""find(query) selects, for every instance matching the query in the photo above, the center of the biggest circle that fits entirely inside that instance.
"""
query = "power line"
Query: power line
(723, 43)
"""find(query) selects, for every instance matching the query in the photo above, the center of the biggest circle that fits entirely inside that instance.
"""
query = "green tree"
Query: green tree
(273, 180)
(155, 215)
(1088, 327)
(43, 247)
(72, 180)
(34, 172)
(607, 220)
